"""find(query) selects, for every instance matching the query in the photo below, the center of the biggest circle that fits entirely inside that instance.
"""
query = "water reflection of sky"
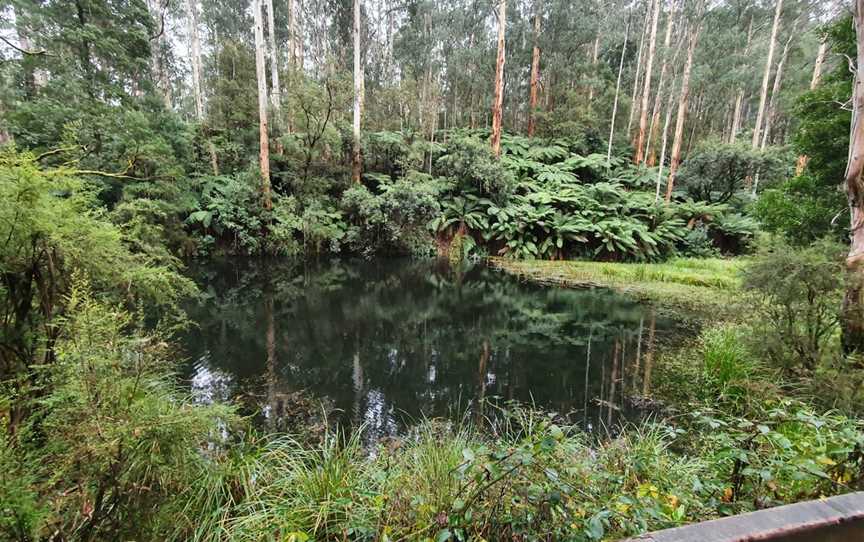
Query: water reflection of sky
(384, 344)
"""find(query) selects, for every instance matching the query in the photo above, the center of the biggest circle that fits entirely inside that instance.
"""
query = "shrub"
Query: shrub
(716, 172)
(110, 446)
(798, 293)
(469, 163)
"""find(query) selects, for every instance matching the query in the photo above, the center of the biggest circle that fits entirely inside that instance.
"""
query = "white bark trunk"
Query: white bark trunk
(617, 92)
(763, 97)
(195, 57)
(358, 93)
(646, 88)
(682, 112)
(276, 92)
(498, 104)
(638, 67)
(261, 76)
(658, 99)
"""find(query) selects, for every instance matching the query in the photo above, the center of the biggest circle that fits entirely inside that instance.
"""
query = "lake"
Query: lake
(386, 343)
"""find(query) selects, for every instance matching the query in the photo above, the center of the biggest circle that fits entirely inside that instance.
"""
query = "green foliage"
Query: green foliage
(534, 475)
(109, 447)
(55, 228)
(231, 209)
(717, 172)
(468, 162)
(806, 207)
(798, 300)
(393, 220)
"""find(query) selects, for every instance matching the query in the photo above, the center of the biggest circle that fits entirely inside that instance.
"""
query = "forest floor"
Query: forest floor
(704, 287)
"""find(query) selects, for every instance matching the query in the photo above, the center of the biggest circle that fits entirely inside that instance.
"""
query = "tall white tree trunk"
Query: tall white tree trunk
(775, 92)
(358, 93)
(195, 57)
(158, 46)
(498, 104)
(617, 92)
(658, 99)
(817, 66)
(261, 76)
(814, 83)
(276, 92)
(639, 56)
(739, 99)
(682, 112)
(646, 88)
(594, 56)
(763, 97)
(667, 119)
(535, 72)
(853, 302)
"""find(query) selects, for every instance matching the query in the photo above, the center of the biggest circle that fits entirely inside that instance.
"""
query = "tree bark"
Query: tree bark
(646, 88)
(594, 56)
(261, 76)
(682, 112)
(814, 83)
(763, 97)
(739, 99)
(276, 92)
(636, 76)
(535, 73)
(498, 104)
(853, 301)
(358, 92)
(195, 52)
(158, 45)
(667, 119)
(617, 92)
(658, 99)
(775, 92)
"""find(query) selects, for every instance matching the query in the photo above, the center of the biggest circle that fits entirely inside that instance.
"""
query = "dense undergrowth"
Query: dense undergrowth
(112, 450)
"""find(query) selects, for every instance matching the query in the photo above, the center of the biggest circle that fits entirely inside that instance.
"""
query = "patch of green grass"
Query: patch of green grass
(705, 287)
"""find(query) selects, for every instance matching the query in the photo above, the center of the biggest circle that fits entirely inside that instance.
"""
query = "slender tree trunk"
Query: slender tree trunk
(617, 93)
(775, 92)
(658, 99)
(853, 302)
(358, 91)
(636, 75)
(261, 75)
(292, 44)
(594, 55)
(668, 119)
(195, 52)
(814, 83)
(498, 104)
(763, 96)
(817, 66)
(301, 42)
(276, 91)
(682, 112)
(535, 73)
(739, 99)
(157, 52)
(646, 88)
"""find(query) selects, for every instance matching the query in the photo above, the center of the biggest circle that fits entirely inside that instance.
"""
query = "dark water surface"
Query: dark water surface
(388, 342)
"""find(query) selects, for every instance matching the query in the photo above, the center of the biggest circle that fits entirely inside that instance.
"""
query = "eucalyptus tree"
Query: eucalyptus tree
(853, 301)
(498, 100)
(263, 134)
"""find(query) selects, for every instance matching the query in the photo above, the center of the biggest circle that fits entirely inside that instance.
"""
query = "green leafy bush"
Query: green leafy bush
(798, 293)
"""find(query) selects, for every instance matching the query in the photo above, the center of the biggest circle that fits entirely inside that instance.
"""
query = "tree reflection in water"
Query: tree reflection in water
(388, 342)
